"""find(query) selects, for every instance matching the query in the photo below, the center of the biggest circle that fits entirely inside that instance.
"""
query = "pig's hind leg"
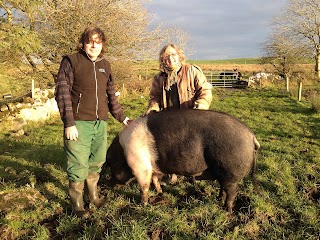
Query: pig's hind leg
(228, 193)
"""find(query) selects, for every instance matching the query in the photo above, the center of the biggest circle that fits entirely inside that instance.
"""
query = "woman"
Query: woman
(178, 85)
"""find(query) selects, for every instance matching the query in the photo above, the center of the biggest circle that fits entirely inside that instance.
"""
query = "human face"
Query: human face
(94, 47)
(171, 58)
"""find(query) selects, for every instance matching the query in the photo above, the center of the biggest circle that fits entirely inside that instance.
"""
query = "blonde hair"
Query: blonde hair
(179, 51)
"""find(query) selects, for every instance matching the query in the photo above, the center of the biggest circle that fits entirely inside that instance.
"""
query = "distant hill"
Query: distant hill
(227, 61)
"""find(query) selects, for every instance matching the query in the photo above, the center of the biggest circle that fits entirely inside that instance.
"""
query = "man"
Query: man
(178, 85)
(85, 93)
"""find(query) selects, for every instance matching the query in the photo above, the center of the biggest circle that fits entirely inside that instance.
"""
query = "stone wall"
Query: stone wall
(38, 108)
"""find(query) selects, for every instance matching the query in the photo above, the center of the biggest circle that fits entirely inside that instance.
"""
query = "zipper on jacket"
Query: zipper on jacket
(95, 77)
(78, 105)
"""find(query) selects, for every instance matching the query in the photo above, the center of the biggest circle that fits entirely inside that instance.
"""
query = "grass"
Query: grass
(33, 185)
(34, 203)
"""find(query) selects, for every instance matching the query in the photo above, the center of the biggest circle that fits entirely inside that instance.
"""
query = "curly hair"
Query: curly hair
(180, 53)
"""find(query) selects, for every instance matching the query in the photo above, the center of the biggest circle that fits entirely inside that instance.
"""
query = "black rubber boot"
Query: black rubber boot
(76, 196)
(92, 184)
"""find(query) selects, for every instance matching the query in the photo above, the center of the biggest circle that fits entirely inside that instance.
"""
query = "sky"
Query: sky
(219, 29)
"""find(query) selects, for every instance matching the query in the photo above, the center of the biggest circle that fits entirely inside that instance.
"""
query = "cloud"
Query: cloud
(219, 29)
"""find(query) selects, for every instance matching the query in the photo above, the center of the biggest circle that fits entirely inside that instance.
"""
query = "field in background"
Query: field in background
(17, 81)
(227, 61)
(246, 66)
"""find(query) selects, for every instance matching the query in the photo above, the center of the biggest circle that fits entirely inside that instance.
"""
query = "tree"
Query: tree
(125, 23)
(53, 28)
(283, 54)
(17, 36)
(300, 22)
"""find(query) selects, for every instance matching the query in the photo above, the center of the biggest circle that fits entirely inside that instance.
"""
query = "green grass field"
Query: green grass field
(34, 203)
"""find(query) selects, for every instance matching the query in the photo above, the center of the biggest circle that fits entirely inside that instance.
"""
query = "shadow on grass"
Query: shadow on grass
(32, 152)
(25, 163)
(184, 191)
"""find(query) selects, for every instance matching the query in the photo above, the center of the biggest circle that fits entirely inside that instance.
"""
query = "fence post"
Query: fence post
(124, 91)
(32, 88)
(299, 91)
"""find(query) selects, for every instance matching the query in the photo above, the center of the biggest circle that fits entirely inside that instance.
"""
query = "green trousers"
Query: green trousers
(88, 153)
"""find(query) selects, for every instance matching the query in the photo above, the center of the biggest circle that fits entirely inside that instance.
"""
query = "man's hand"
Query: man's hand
(154, 108)
(199, 106)
(71, 133)
(127, 121)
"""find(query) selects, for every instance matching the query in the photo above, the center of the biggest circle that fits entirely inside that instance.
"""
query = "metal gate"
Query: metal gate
(225, 79)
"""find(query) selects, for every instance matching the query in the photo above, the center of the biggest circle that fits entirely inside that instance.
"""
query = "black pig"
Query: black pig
(204, 144)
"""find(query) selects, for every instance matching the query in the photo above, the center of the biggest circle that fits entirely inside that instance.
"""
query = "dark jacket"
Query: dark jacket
(85, 90)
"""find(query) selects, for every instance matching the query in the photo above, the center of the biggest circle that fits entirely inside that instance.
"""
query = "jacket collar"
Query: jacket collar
(84, 53)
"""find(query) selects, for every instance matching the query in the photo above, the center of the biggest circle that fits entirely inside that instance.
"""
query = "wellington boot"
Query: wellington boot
(92, 184)
(76, 196)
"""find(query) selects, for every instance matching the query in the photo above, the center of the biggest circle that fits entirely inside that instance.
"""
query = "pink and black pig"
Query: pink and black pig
(204, 144)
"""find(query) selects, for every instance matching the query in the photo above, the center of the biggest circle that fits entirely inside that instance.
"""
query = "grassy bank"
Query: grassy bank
(34, 203)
